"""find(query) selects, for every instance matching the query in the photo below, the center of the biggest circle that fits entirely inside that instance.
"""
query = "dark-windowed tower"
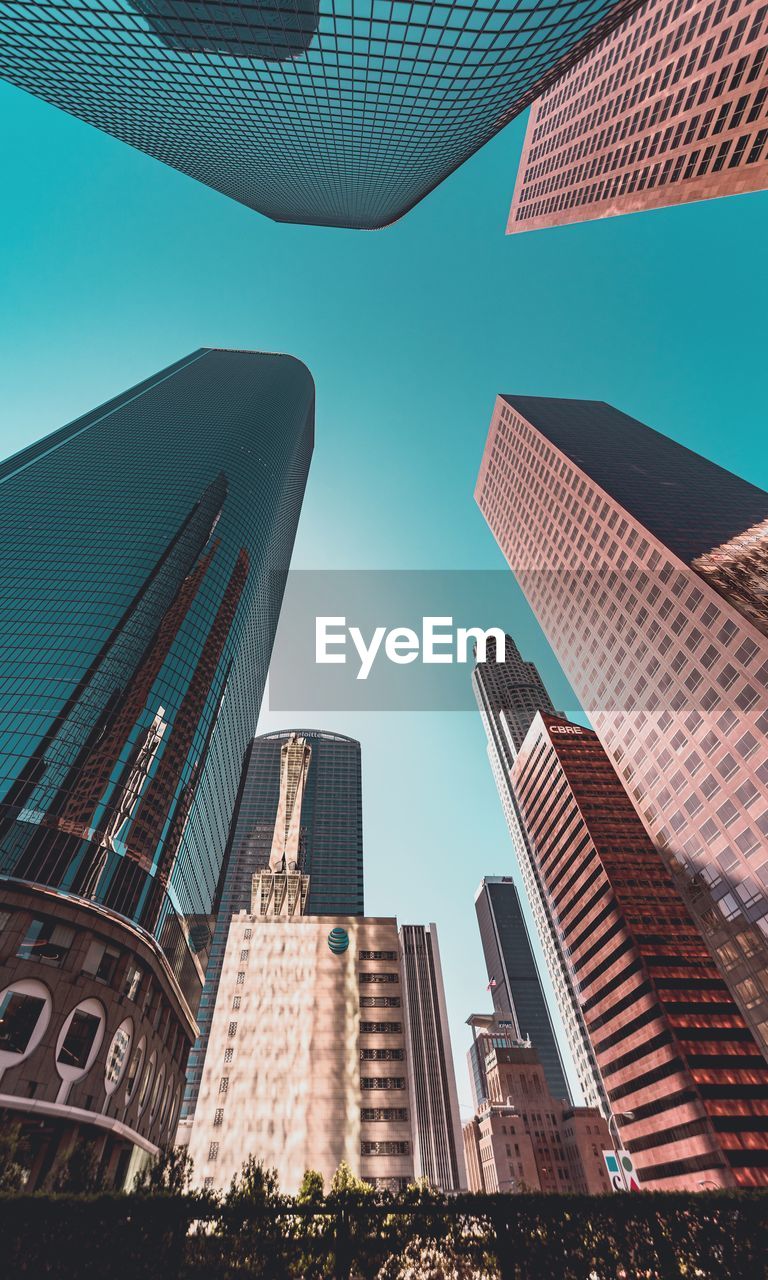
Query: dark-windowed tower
(328, 823)
(513, 976)
(142, 587)
(335, 113)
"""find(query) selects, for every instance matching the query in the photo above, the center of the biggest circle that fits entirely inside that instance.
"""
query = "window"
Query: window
(101, 961)
(132, 982)
(223, 1084)
(379, 977)
(78, 1042)
(369, 1115)
(236, 1004)
(232, 1029)
(381, 1055)
(213, 1151)
(378, 955)
(228, 1055)
(117, 1054)
(218, 1116)
(384, 1148)
(243, 955)
(19, 1015)
(240, 978)
(47, 942)
(382, 1082)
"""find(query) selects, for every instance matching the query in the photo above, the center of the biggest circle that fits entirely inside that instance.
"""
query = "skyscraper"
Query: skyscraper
(508, 696)
(142, 590)
(333, 114)
(669, 107)
(643, 563)
(685, 1078)
(328, 833)
(438, 1153)
(306, 1063)
(513, 976)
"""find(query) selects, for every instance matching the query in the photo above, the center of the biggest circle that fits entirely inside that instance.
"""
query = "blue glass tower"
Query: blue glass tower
(144, 554)
(334, 113)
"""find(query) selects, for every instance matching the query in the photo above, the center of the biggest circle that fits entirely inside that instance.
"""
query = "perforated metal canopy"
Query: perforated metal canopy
(337, 112)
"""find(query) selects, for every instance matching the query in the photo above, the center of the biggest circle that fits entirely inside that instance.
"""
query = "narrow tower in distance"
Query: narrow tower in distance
(438, 1151)
(513, 976)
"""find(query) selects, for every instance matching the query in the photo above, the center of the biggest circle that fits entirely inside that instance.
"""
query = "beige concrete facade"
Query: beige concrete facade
(306, 1060)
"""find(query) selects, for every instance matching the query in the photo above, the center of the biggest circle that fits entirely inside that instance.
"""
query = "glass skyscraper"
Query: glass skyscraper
(143, 562)
(337, 113)
(330, 848)
(145, 552)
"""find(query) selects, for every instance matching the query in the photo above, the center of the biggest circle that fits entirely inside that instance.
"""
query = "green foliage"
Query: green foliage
(254, 1185)
(312, 1189)
(255, 1232)
(13, 1159)
(77, 1172)
(169, 1173)
(345, 1181)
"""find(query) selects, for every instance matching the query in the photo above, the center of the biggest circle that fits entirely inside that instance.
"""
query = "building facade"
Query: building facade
(329, 830)
(438, 1153)
(137, 627)
(513, 976)
(671, 106)
(306, 1062)
(642, 562)
(335, 114)
(508, 696)
(523, 1139)
(686, 1080)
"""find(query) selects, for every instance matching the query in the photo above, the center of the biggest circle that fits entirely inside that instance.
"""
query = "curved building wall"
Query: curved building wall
(93, 1033)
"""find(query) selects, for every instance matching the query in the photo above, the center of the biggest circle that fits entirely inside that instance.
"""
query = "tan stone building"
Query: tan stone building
(523, 1139)
(306, 1060)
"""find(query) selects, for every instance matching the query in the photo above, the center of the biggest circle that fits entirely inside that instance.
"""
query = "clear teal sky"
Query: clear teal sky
(113, 266)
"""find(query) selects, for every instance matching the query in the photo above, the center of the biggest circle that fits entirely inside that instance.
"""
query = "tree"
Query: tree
(345, 1181)
(14, 1170)
(77, 1172)
(312, 1189)
(168, 1173)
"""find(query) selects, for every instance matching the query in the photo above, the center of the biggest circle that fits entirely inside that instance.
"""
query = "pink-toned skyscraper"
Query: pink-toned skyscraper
(672, 106)
(645, 565)
(685, 1079)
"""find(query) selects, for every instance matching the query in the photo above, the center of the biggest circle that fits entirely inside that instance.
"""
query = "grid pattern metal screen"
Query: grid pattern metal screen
(335, 112)
(144, 554)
